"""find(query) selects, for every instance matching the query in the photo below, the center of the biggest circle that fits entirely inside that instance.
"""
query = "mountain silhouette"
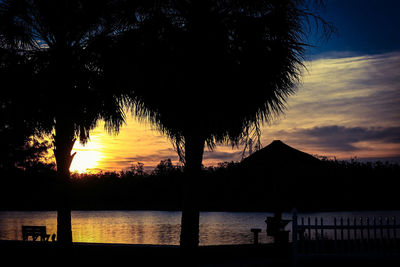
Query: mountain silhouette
(279, 154)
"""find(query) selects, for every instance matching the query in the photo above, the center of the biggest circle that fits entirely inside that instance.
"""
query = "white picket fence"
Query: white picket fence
(344, 236)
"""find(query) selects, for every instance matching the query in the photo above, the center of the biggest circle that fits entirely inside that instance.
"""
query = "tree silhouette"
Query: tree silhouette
(18, 149)
(208, 72)
(62, 42)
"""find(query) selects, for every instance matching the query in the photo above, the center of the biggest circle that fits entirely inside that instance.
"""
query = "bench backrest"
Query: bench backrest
(34, 229)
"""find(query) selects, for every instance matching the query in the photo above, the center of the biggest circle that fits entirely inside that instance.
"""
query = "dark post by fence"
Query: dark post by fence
(255, 232)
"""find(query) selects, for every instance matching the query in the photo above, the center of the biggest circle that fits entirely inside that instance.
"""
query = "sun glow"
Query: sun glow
(87, 157)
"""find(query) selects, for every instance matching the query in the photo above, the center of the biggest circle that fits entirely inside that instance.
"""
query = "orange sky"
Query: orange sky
(345, 107)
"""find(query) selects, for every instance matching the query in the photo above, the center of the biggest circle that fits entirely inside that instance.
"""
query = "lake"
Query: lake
(156, 227)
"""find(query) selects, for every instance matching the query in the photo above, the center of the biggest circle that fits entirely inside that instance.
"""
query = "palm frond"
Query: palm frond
(66, 42)
(216, 68)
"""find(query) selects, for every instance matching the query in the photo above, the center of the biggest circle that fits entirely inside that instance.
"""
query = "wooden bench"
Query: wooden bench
(35, 232)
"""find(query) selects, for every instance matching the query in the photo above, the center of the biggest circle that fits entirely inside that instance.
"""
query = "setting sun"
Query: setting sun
(87, 157)
(85, 161)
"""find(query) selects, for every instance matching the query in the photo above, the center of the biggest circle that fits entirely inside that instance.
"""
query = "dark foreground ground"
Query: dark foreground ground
(14, 253)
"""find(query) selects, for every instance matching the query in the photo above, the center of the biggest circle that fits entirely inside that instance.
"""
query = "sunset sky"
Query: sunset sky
(348, 104)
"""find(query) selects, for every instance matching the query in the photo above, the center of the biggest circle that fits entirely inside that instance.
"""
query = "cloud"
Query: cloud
(344, 105)
(221, 156)
(362, 91)
(154, 157)
(340, 138)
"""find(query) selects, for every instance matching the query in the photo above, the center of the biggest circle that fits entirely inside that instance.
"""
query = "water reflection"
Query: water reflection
(11, 222)
(221, 228)
(139, 227)
(134, 227)
(155, 227)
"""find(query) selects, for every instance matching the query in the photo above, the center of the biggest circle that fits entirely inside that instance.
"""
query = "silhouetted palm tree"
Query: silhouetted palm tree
(63, 41)
(210, 71)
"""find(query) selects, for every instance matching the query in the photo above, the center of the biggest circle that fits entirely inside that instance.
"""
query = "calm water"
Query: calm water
(138, 227)
(153, 227)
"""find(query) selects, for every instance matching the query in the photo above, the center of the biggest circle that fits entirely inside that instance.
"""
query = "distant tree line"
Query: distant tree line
(334, 185)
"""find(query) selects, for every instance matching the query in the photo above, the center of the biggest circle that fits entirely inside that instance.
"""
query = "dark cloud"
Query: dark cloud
(221, 156)
(343, 138)
(155, 157)
(170, 153)
(381, 159)
(150, 161)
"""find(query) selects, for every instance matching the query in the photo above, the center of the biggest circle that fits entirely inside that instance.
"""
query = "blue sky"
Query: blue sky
(363, 27)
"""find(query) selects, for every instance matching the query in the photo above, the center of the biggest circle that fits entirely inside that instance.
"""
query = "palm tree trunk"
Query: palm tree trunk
(194, 148)
(63, 142)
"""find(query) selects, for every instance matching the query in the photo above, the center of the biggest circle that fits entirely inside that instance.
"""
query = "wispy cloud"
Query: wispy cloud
(353, 90)
(342, 138)
(221, 156)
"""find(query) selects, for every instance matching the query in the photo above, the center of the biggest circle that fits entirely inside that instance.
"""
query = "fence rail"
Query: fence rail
(346, 236)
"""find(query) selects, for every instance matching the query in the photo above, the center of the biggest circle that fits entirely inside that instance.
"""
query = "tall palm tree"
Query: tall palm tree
(64, 41)
(211, 71)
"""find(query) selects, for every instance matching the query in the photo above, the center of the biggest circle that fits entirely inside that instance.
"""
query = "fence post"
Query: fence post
(355, 243)
(382, 244)
(294, 237)
(375, 239)
(322, 235)
(368, 236)
(342, 235)
(302, 236)
(394, 231)
(309, 248)
(348, 235)
(335, 233)
(316, 235)
(362, 234)
(387, 232)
